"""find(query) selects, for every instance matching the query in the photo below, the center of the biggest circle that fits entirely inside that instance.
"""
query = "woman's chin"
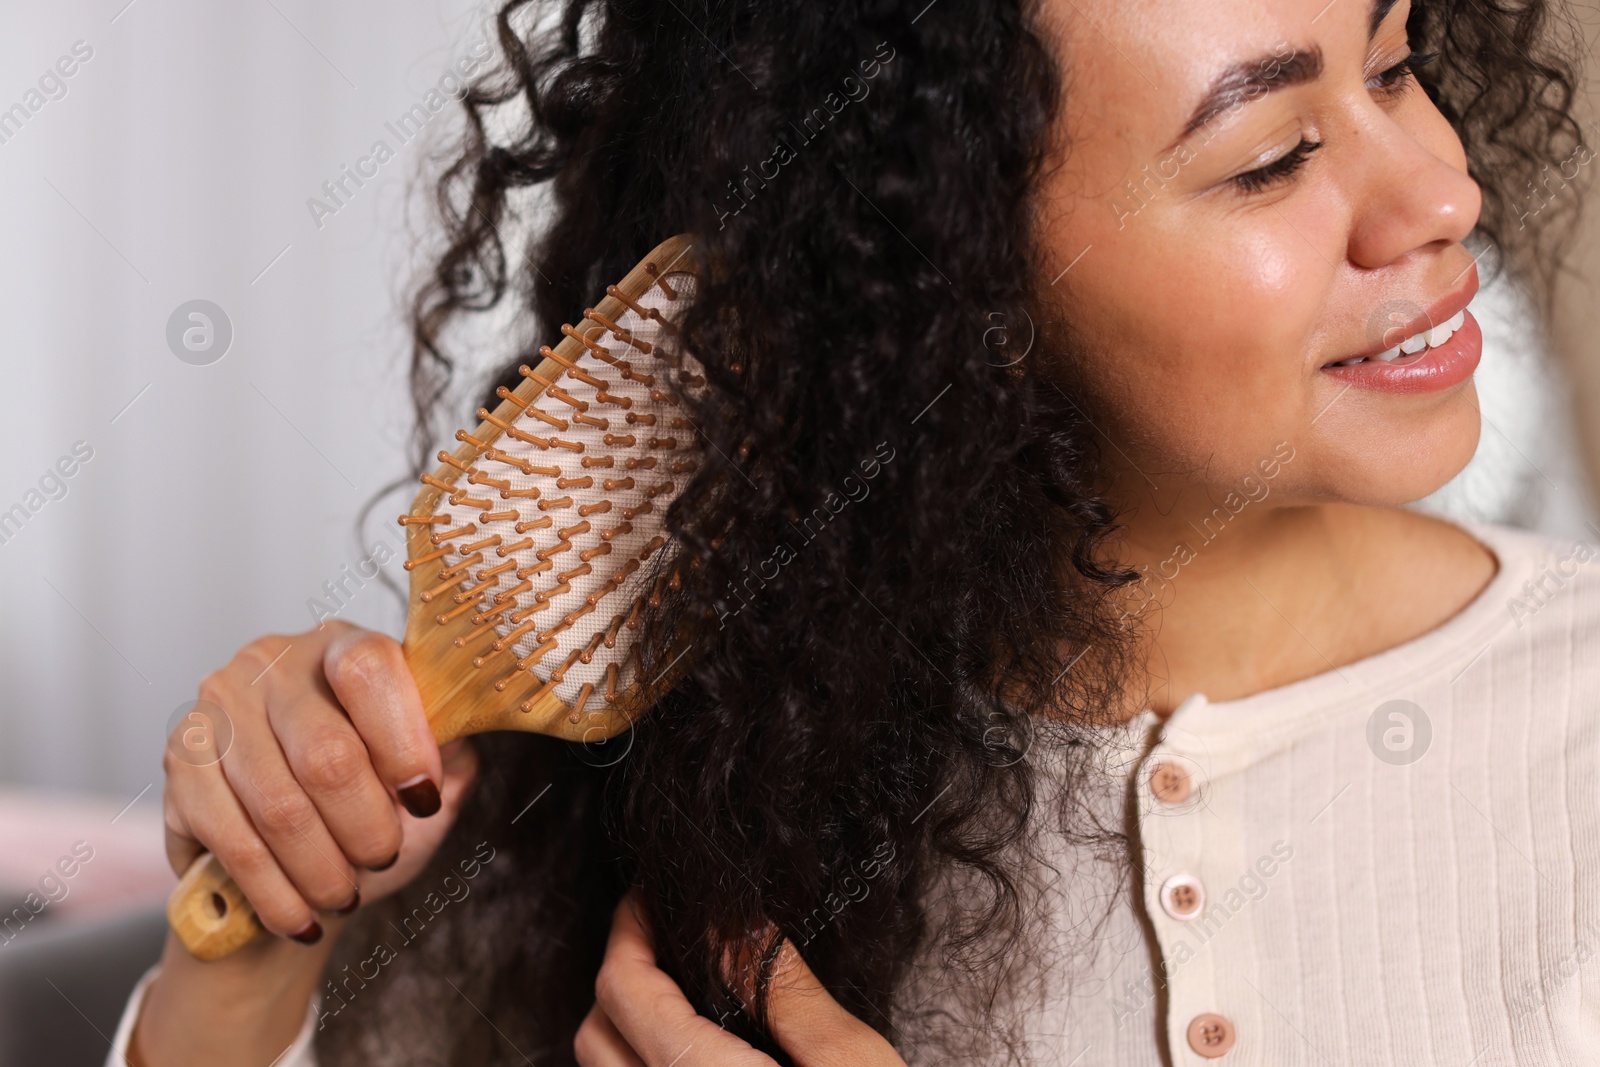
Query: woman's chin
(1415, 470)
(1394, 454)
(1412, 468)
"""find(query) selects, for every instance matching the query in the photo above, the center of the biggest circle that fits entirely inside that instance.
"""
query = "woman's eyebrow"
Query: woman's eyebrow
(1245, 81)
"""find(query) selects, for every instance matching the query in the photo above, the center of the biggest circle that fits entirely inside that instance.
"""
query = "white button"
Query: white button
(1183, 896)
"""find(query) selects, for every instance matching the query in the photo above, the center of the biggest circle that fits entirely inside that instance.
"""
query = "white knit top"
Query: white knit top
(1394, 862)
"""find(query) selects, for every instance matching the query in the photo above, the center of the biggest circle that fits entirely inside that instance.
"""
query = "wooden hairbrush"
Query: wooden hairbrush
(533, 548)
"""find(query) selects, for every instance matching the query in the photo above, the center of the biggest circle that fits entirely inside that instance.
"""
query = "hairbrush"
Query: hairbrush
(533, 548)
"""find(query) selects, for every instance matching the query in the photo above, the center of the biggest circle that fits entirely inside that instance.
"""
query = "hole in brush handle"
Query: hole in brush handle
(208, 913)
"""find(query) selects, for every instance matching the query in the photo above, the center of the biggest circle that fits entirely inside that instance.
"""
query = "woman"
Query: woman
(1117, 714)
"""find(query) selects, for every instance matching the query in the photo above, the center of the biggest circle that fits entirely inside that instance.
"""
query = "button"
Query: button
(1170, 782)
(1183, 896)
(1210, 1035)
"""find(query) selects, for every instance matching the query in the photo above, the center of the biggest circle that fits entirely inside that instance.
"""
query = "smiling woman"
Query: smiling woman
(1320, 798)
(1328, 185)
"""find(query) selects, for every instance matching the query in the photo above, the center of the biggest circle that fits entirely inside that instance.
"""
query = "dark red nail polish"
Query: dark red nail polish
(309, 934)
(355, 902)
(386, 864)
(421, 799)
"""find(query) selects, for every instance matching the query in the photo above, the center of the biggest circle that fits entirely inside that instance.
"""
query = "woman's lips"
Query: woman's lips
(1427, 371)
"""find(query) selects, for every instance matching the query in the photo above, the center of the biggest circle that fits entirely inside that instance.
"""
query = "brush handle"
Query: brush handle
(212, 916)
(209, 913)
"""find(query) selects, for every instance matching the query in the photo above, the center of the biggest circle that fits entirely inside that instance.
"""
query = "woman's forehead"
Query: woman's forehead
(1154, 64)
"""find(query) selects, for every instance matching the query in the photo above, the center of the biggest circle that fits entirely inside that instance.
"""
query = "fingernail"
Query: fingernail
(355, 902)
(309, 934)
(420, 796)
(386, 864)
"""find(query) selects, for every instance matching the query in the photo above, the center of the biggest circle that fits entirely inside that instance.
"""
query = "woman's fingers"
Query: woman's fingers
(328, 774)
(329, 761)
(651, 1013)
(599, 1044)
(813, 1028)
(202, 812)
(421, 837)
(368, 674)
(280, 810)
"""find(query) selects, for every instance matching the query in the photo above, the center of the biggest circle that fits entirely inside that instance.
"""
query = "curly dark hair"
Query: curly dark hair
(900, 594)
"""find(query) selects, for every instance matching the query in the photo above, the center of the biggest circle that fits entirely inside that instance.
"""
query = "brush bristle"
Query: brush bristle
(551, 539)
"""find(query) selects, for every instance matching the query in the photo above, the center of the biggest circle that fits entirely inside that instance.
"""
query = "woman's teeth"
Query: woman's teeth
(1433, 338)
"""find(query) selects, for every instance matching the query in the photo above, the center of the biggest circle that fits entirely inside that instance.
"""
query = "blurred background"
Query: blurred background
(205, 256)
(214, 487)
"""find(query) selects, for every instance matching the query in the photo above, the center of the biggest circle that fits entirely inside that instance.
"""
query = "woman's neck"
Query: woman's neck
(1237, 602)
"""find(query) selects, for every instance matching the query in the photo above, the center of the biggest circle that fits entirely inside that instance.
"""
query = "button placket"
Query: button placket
(1173, 801)
(1172, 788)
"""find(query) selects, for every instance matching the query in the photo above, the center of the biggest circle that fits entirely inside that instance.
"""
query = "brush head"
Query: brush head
(538, 541)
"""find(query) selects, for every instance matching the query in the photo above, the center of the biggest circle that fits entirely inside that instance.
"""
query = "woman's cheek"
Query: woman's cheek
(1276, 264)
(1268, 300)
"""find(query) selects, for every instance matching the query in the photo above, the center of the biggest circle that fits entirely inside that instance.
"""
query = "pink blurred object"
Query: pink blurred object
(70, 856)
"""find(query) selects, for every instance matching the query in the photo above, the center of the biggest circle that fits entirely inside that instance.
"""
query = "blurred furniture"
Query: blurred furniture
(83, 881)
(64, 985)
(112, 848)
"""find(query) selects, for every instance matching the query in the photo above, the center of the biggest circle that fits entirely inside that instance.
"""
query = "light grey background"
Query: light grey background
(220, 498)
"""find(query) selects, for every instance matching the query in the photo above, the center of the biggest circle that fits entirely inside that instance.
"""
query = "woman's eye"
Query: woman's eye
(1278, 171)
(1398, 78)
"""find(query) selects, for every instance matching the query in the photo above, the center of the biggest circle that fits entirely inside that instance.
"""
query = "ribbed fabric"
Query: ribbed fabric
(1366, 905)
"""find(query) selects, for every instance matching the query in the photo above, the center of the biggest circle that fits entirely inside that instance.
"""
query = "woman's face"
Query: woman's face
(1250, 192)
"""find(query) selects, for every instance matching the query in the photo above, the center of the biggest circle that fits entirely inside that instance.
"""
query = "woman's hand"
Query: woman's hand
(330, 794)
(332, 777)
(642, 1019)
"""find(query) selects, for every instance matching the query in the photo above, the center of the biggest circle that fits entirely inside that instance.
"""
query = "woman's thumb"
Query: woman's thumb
(421, 837)
(460, 762)
(812, 1027)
